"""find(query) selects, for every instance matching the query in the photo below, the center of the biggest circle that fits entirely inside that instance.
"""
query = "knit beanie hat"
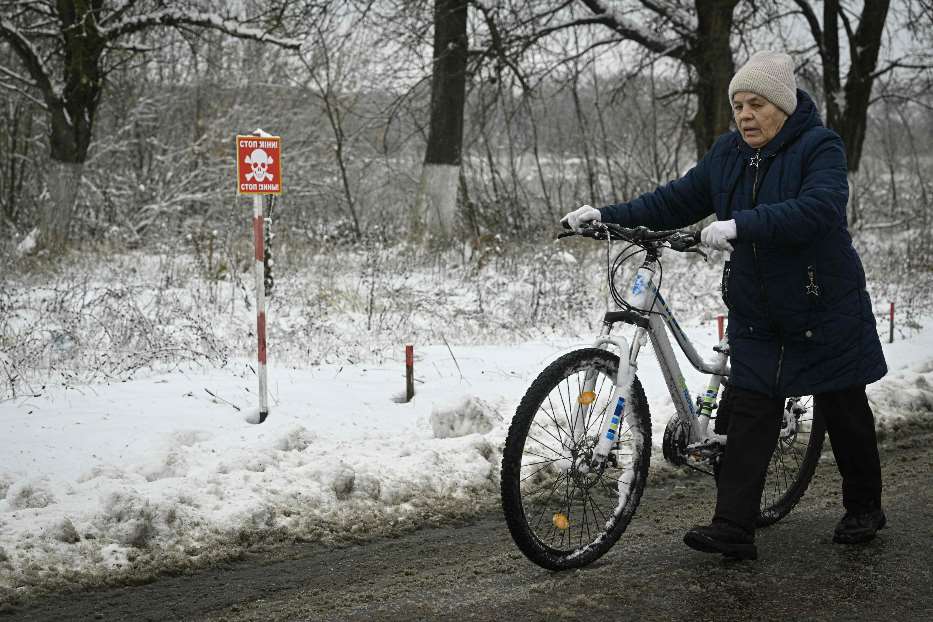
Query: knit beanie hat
(771, 75)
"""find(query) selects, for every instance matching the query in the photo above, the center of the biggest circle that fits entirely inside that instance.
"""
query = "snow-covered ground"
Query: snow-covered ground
(126, 381)
(164, 471)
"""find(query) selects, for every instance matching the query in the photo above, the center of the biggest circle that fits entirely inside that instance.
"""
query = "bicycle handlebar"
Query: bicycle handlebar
(678, 239)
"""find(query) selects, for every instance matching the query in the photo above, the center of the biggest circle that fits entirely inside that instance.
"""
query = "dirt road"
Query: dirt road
(473, 572)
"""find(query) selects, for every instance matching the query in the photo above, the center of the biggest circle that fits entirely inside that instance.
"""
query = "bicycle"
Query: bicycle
(578, 449)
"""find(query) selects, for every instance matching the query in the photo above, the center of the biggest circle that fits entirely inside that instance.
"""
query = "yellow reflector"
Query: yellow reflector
(561, 521)
(586, 398)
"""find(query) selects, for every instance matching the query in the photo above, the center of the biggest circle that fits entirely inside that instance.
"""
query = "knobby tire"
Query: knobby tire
(539, 490)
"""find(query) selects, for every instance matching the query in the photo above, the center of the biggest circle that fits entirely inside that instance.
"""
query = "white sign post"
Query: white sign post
(259, 172)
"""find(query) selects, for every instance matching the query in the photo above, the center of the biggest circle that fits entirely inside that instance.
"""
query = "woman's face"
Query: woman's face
(757, 119)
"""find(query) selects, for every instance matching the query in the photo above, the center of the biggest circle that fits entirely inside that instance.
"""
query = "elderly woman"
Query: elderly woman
(800, 319)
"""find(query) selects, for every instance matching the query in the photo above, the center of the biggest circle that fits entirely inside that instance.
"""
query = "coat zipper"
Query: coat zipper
(756, 162)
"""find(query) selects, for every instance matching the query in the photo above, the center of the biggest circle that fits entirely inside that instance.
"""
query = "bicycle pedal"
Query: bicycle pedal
(704, 450)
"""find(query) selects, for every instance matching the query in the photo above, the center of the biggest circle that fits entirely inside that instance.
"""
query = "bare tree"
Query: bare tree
(18, 161)
(437, 195)
(695, 35)
(65, 51)
(847, 105)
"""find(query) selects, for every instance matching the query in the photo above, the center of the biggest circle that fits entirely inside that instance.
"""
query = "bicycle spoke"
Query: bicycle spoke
(553, 414)
(546, 461)
(584, 526)
(586, 517)
(536, 490)
(602, 419)
(569, 499)
(784, 470)
(548, 432)
(564, 408)
(569, 410)
(553, 418)
(531, 453)
(592, 410)
(544, 511)
(609, 495)
(535, 473)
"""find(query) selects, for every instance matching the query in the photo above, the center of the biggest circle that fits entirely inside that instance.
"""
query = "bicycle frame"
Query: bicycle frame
(644, 296)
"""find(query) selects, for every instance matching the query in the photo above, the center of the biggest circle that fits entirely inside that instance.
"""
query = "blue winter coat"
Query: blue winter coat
(800, 319)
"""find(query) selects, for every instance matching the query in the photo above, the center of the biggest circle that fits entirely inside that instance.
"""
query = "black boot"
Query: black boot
(856, 528)
(722, 537)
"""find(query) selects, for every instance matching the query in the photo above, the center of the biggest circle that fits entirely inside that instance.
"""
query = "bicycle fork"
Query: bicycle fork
(619, 404)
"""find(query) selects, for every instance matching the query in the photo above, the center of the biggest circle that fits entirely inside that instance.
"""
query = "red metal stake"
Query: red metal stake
(409, 372)
(720, 320)
(891, 325)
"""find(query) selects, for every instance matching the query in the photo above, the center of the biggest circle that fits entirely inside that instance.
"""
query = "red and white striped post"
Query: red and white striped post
(259, 172)
(258, 222)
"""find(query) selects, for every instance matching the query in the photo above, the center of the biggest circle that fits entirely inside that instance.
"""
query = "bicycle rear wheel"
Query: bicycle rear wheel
(794, 460)
(560, 513)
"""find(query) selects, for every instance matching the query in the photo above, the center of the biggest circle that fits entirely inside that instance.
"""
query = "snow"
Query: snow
(126, 386)
(28, 244)
(163, 470)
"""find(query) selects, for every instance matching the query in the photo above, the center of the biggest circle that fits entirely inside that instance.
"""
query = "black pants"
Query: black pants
(752, 422)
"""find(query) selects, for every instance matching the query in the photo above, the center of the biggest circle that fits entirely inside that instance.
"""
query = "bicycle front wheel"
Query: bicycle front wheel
(561, 512)
(794, 460)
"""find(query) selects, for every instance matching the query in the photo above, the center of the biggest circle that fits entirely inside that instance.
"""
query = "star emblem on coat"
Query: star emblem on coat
(755, 160)
(813, 289)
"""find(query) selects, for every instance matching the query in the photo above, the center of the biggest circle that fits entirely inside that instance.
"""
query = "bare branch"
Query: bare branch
(853, 52)
(30, 58)
(665, 12)
(171, 17)
(897, 64)
(119, 12)
(900, 98)
(674, 48)
(136, 49)
(812, 21)
(20, 78)
(20, 91)
(498, 47)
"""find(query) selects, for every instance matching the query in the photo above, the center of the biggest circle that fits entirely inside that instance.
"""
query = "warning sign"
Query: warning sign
(258, 165)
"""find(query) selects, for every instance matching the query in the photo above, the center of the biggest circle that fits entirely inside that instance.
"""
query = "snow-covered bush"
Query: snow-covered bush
(92, 320)
(29, 494)
(468, 416)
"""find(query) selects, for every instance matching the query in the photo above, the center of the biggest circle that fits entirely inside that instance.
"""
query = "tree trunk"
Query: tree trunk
(69, 141)
(64, 179)
(712, 56)
(847, 106)
(72, 118)
(435, 205)
(866, 43)
(437, 198)
(829, 56)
